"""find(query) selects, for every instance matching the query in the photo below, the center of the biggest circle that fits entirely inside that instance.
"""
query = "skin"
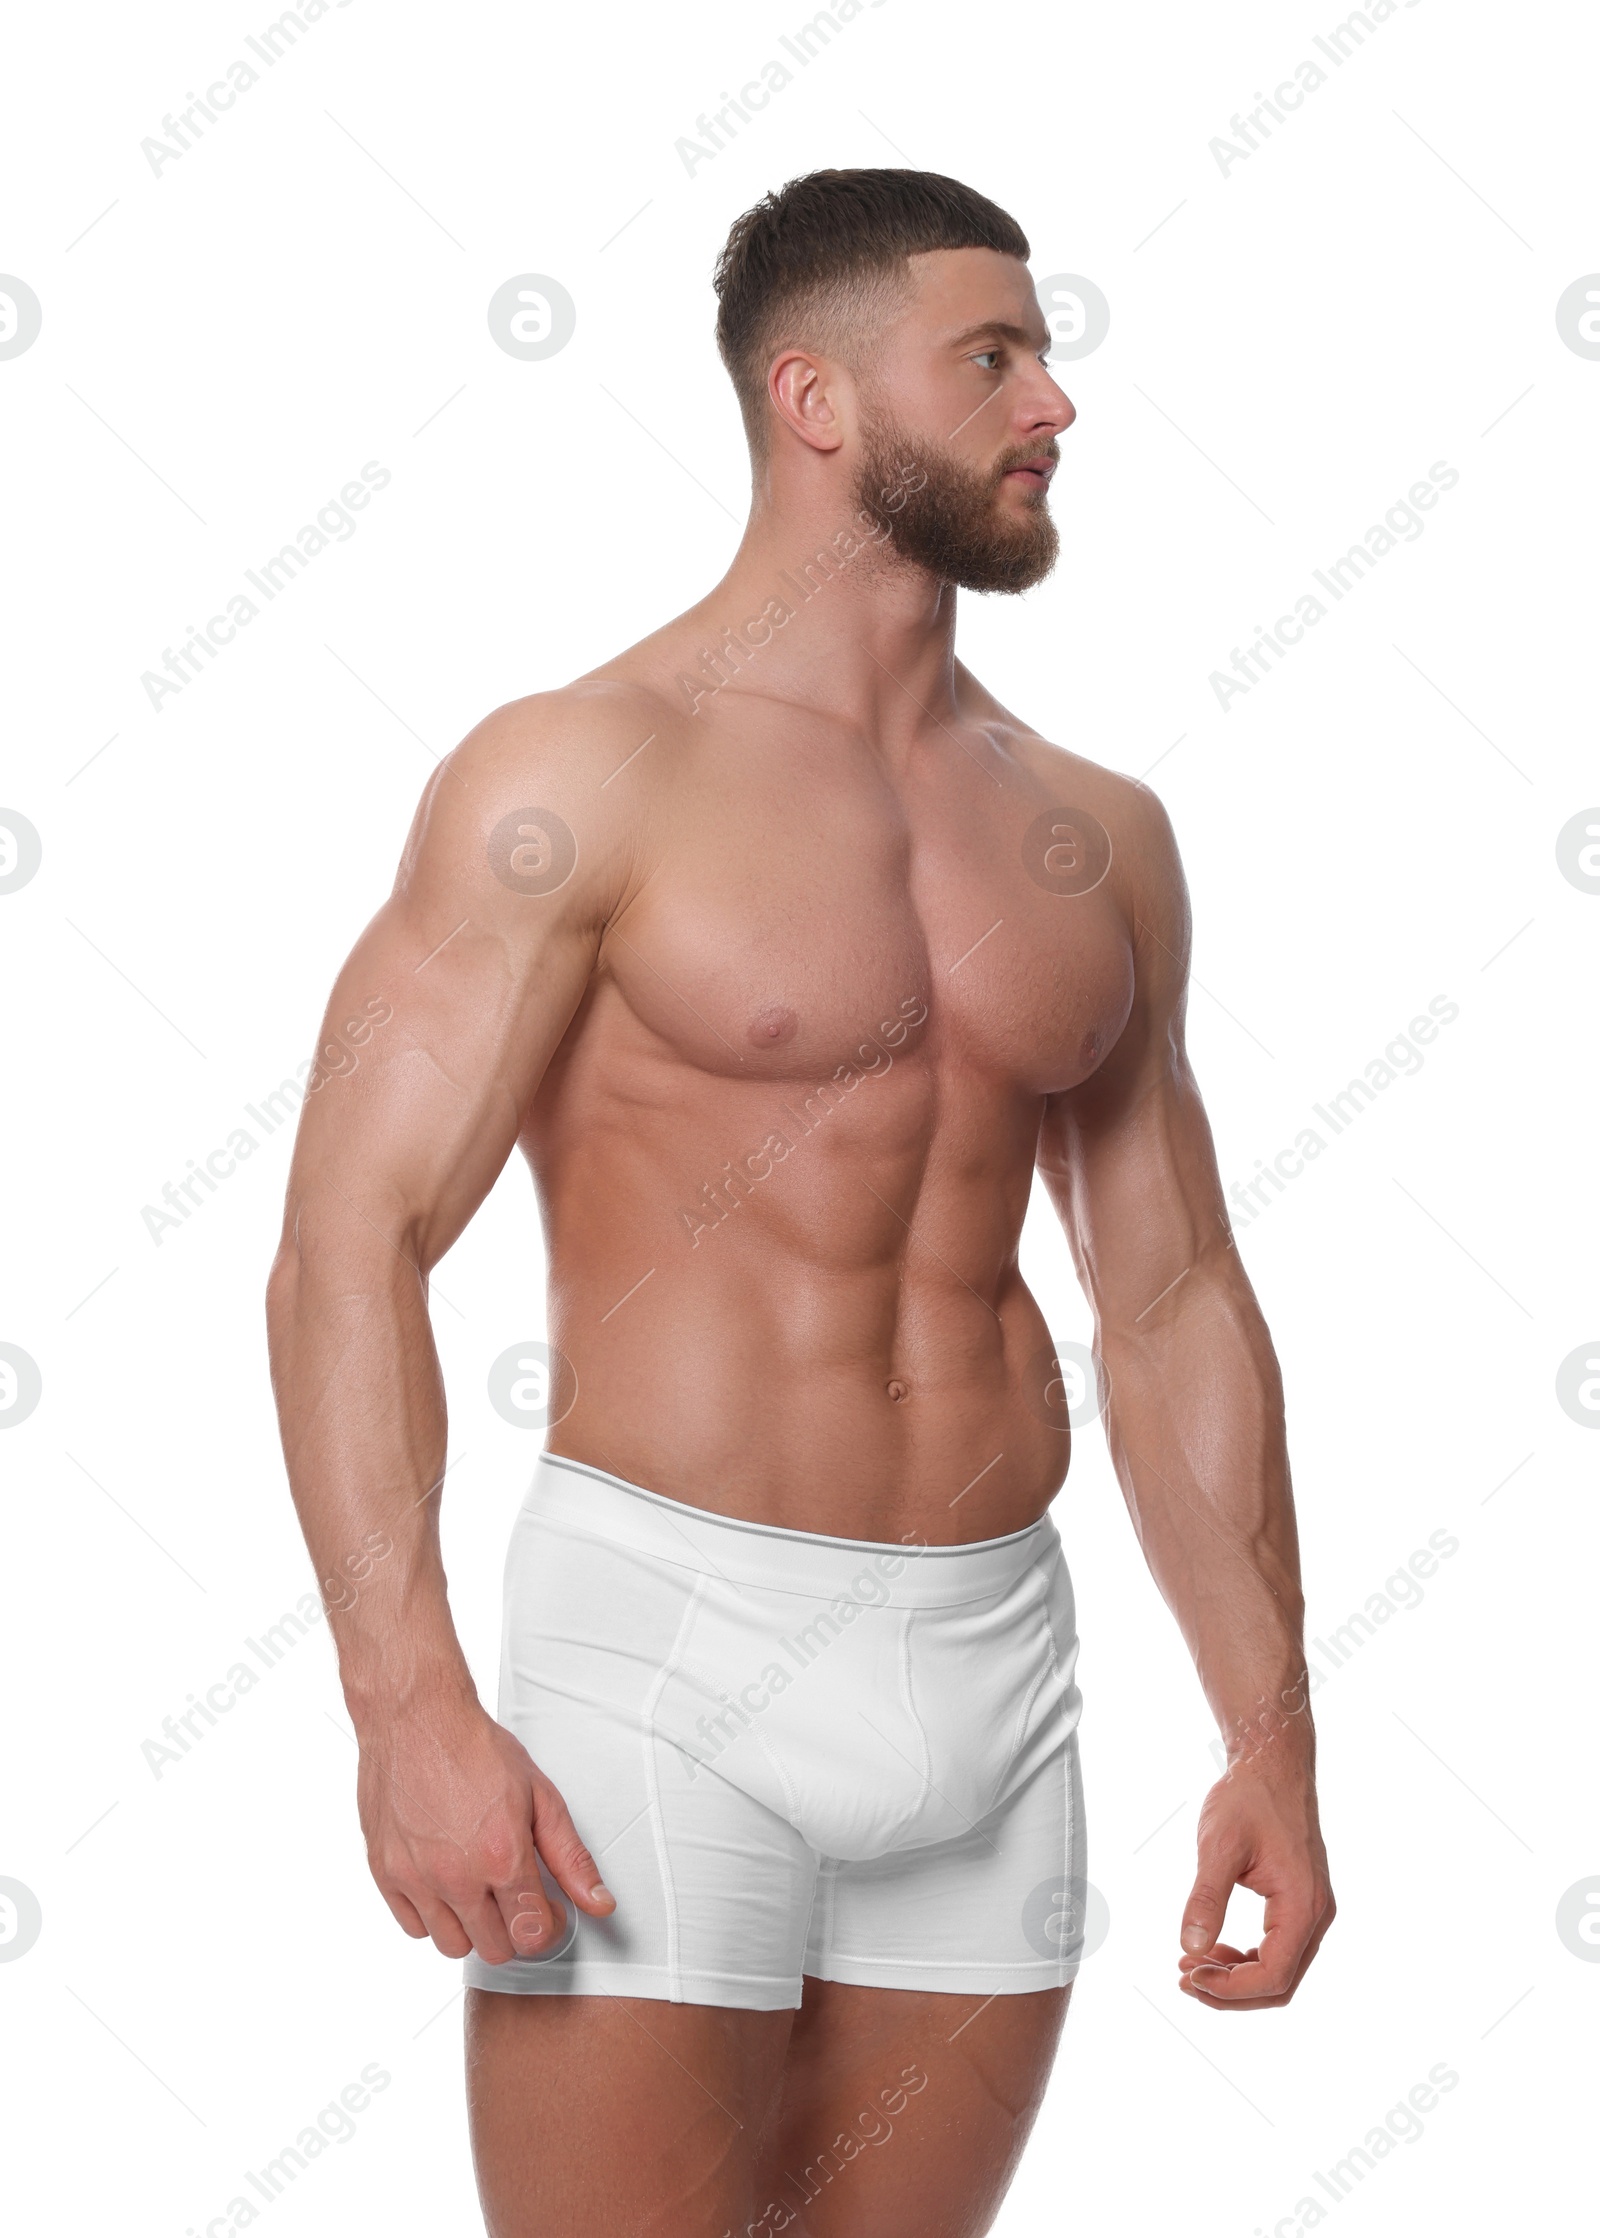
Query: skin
(821, 866)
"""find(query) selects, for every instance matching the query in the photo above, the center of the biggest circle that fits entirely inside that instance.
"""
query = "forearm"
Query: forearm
(362, 1413)
(1195, 1421)
(1196, 1429)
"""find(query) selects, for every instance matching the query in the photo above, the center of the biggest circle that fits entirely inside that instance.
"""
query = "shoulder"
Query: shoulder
(1134, 817)
(569, 738)
(1143, 844)
(1144, 869)
(545, 794)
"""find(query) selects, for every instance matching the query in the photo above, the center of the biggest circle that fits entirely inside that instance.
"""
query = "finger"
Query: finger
(1206, 1909)
(405, 1912)
(1275, 1966)
(527, 1920)
(1267, 1976)
(1212, 1976)
(504, 1924)
(571, 1865)
(1222, 1954)
(449, 1936)
(532, 1919)
(1268, 1972)
(1240, 2003)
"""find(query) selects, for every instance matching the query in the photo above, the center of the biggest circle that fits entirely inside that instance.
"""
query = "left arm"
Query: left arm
(1196, 1430)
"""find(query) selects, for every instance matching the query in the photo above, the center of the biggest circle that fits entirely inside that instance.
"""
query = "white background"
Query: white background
(1292, 344)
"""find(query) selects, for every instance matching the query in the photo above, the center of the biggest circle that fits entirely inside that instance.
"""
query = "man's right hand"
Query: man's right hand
(457, 1816)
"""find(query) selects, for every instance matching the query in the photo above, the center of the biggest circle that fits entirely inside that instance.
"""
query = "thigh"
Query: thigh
(904, 2112)
(619, 2117)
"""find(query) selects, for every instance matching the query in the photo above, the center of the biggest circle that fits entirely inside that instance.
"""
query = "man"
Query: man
(784, 953)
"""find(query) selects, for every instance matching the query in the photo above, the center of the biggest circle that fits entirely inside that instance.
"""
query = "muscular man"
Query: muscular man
(785, 954)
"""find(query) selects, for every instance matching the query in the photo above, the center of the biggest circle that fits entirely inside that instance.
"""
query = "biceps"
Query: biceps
(1138, 1191)
(434, 1041)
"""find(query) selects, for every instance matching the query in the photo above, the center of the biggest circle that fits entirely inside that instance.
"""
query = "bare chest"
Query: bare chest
(802, 916)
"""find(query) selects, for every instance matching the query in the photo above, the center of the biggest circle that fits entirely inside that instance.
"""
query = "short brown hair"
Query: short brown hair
(819, 262)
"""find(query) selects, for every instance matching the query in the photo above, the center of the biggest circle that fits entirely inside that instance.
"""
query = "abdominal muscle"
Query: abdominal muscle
(842, 1344)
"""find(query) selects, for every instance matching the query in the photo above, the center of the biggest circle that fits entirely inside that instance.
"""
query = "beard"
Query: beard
(952, 523)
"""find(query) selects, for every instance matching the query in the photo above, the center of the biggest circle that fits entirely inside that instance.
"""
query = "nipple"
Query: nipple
(773, 1026)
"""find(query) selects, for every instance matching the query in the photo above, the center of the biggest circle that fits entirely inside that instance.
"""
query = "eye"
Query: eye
(980, 355)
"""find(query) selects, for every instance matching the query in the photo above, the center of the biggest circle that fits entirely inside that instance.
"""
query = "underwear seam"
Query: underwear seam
(947, 1965)
(1069, 1780)
(669, 1893)
(740, 1585)
(908, 1695)
(694, 1975)
(828, 1876)
(1046, 1666)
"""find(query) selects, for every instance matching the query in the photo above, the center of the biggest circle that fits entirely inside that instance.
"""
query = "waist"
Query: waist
(577, 1496)
(834, 1409)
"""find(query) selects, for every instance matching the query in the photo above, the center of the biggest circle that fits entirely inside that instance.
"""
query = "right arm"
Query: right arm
(450, 1005)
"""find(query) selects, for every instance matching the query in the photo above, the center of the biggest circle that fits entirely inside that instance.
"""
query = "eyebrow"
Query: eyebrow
(1018, 334)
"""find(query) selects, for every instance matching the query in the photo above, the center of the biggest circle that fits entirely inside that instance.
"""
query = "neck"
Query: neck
(816, 607)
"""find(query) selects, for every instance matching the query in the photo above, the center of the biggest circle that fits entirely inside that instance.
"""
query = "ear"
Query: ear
(804, 391)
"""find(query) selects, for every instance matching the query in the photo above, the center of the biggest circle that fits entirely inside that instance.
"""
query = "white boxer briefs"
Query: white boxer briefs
(794, 1754)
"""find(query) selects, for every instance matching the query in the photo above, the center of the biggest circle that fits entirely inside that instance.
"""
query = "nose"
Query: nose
(1044, 410)
(1061, 407)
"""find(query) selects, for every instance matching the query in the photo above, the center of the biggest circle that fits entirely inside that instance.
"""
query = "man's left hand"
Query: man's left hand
(1258, 1830)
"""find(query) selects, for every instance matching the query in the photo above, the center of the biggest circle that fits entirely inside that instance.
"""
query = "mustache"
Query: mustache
(1024, 454)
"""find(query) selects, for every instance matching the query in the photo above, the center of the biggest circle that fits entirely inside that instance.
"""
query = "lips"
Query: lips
(1035, 470)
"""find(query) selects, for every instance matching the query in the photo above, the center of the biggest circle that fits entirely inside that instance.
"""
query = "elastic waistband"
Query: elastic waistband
(774, 1558)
